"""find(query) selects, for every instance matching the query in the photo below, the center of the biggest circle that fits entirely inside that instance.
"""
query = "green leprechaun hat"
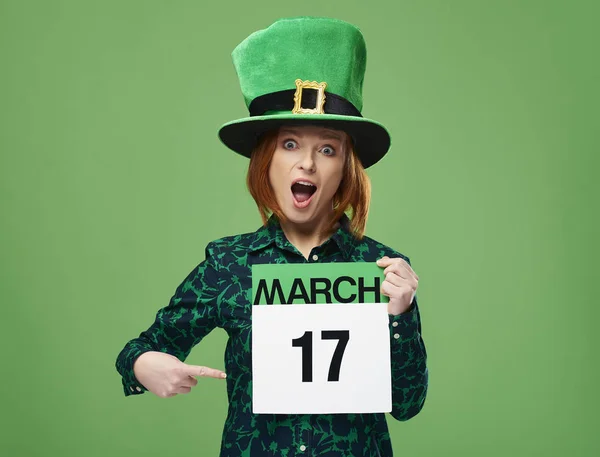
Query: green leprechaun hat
(304, 70)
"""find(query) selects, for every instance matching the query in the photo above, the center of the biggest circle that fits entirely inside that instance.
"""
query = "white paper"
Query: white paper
(364, 384)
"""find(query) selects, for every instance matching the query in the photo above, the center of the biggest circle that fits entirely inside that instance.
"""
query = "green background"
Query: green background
(113, 181)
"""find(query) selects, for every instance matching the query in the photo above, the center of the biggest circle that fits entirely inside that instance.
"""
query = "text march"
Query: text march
(317, 283)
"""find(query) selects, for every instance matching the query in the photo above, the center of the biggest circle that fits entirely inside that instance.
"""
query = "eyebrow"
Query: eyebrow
(323, 136)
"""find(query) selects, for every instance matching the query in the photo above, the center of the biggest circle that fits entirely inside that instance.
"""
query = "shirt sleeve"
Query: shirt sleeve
(409, 363)
(178, 327)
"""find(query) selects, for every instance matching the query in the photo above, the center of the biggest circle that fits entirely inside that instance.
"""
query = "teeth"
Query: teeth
(306, 183)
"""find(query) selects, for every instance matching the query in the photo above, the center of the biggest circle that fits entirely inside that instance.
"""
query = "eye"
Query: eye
(328, 150)
(290, 144)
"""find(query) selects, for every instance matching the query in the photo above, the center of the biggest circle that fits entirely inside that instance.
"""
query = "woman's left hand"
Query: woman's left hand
(400, 284)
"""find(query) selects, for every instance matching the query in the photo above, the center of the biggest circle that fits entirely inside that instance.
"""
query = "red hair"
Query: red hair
(353, 194)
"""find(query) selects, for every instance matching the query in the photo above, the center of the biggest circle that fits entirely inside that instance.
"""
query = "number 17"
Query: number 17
(305, 342)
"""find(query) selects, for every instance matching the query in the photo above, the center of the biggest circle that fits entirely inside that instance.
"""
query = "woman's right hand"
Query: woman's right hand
(166, 376)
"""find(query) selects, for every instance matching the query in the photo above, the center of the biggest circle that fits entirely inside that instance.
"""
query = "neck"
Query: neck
(306, 236)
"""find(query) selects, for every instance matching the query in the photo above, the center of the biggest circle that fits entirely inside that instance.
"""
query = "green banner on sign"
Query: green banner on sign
(301, 283)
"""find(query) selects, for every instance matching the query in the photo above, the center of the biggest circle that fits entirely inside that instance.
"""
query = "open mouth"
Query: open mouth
(303, 192)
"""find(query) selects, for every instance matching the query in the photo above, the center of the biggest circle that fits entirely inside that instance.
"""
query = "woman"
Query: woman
(308, 149)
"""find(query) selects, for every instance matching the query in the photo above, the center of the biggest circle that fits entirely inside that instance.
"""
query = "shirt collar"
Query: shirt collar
(344, 238)
(272, 232)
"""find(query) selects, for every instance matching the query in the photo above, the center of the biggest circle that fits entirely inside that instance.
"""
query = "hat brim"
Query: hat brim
(371, 139)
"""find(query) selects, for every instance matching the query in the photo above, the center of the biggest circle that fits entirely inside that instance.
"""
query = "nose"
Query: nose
(307, 161)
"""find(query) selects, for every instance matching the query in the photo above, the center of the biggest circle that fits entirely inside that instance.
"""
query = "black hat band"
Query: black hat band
(284, 101)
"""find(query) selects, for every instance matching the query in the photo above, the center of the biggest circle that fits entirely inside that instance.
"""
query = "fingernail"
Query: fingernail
(223, 375)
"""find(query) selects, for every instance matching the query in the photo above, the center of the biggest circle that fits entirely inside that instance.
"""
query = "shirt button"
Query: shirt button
(396, 336)
(131, 388)
(303, 448)
(394, 324)
(138, 389)
(315, 257)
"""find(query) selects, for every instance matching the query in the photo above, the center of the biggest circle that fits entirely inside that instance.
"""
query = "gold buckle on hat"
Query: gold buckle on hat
(319, 87)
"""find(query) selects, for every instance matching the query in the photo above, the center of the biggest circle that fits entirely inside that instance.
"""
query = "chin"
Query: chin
(303, 217)
(300, 217)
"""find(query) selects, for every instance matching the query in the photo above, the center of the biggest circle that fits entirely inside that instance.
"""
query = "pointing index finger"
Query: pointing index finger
(195, 370)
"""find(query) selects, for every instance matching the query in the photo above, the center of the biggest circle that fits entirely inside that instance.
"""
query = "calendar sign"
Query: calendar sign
(327, 357)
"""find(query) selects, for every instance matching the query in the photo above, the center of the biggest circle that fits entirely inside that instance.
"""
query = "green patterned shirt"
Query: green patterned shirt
(217, 294)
